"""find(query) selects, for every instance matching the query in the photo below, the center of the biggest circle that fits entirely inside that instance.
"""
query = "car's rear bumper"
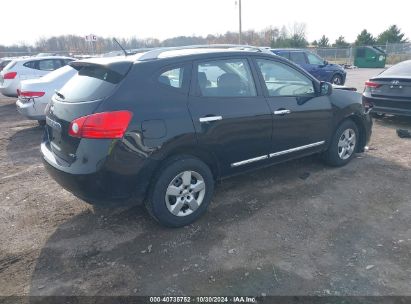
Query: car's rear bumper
(389, 105)
(109, 185)
(31, 109)
(393, 111)
(8, 89)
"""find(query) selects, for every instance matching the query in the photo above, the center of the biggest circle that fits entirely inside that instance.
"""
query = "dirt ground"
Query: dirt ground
(299, 228)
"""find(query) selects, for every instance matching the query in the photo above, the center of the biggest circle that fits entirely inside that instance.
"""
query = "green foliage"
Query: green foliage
(341, 43)
(324, 42)
(295, 39)
(365, 38)
(391, 35)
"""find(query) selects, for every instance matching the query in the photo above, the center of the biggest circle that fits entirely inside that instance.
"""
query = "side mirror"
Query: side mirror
(326, 88)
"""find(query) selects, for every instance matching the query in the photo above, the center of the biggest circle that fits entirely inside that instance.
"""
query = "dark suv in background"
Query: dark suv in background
(162, 126)
(315, 65)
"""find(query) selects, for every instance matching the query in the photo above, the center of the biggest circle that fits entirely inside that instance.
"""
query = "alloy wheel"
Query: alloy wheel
(346, 144)
(337, 80)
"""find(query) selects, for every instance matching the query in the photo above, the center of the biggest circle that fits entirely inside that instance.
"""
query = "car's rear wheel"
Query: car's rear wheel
(181, 192)
(337, 79)
(343, 144)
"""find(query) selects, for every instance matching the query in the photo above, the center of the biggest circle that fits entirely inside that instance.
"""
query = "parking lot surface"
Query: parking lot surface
(298, 228)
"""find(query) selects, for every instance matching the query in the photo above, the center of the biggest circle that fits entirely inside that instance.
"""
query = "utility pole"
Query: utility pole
(239, 21)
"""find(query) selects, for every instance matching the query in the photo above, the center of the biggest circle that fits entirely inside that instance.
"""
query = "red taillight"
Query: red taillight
(28, 94)
(372, 84)
(101, 125)
(10, 75)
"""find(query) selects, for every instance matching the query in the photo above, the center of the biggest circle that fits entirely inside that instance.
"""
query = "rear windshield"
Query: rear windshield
(401, 69)
(93, 82)
(4, 63)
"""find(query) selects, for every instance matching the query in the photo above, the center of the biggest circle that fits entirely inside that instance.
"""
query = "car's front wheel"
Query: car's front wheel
(337, 79)
(343, 144)
(181, 192)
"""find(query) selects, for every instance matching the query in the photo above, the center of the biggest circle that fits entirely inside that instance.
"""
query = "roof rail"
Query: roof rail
(155, 53)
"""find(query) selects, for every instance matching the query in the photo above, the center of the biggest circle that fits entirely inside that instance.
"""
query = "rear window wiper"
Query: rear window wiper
(59, 94)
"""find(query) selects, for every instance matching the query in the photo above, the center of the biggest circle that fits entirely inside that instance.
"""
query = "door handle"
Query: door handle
(282, 112)
(210, 118)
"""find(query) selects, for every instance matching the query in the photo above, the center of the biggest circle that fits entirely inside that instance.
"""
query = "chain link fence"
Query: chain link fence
(396, 52)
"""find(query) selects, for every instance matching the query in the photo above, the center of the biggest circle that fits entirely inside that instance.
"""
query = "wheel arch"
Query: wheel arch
(191, 151)
(361, 129)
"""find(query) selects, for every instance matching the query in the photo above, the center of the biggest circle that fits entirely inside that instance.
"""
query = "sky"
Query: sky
(165, 18)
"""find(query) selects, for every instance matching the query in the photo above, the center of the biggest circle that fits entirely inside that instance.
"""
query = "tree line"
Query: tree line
(391, 35)
(285, 37)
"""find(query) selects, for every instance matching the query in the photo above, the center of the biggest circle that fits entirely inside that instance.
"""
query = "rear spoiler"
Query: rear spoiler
(119, 67)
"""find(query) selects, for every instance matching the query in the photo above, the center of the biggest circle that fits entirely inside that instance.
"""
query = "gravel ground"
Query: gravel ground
(299, 228)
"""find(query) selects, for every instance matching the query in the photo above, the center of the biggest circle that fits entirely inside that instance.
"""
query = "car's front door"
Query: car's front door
(317, 67)
(231, 116)
(302, 119)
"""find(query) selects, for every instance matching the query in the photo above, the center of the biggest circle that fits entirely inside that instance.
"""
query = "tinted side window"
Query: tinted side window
(57, 63)
(298, 57)
(314, 59)
(282, 80)
(30, 65)
(66, 61)
(284, 54)
(172, 78)
(46, 65)
(225, 78)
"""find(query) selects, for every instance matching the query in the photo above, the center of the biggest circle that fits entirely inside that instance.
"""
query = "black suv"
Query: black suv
(162, 126)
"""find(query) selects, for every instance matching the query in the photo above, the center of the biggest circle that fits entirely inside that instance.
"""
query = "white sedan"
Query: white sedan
(28, 68)
(35, 94)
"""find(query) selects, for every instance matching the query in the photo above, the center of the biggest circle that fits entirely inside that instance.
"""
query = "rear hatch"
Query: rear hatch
(394, 92)
(94, 82)
(6, 70)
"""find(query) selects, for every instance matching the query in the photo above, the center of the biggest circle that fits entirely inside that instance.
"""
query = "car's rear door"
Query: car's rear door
(231, 117)
(298, 57)
(302, 119)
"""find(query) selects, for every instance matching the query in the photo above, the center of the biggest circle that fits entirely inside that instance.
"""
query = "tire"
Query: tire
(41, 123)
(340, 142)
(337, 79)
(190, 185)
